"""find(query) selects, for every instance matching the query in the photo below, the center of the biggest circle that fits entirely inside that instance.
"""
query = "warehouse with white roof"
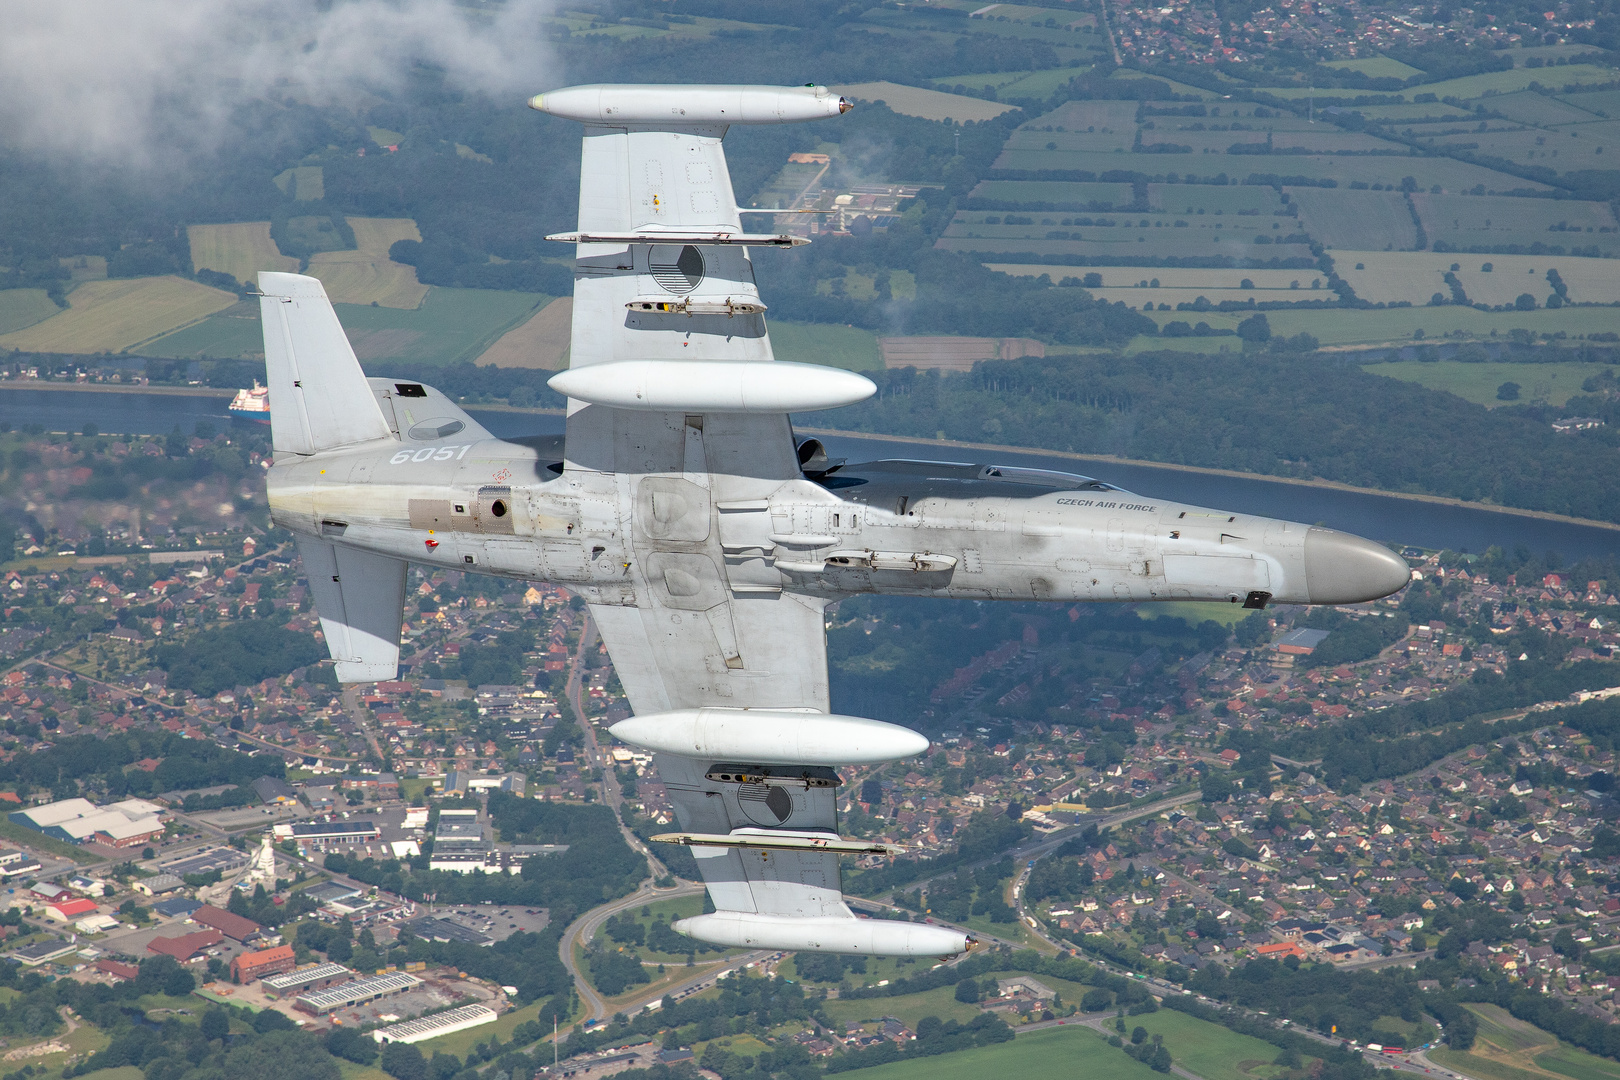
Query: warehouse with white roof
(79, 821)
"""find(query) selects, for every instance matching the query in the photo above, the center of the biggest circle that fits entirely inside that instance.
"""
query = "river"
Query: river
(1389, 518)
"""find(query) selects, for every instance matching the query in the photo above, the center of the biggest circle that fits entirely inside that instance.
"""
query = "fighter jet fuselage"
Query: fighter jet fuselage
(903, 527)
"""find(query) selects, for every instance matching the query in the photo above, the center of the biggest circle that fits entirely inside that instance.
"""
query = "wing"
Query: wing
(698, 617)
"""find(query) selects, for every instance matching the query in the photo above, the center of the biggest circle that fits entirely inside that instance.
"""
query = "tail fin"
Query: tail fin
(319, 397)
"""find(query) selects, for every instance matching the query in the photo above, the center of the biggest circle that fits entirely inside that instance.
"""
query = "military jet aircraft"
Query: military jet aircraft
(706, 539)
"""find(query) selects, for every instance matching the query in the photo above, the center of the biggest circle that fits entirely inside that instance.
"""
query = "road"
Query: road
(583, 929)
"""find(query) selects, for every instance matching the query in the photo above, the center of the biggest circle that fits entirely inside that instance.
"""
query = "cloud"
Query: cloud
(141, 81)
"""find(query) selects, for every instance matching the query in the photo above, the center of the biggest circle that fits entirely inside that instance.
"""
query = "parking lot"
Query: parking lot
(499, 923)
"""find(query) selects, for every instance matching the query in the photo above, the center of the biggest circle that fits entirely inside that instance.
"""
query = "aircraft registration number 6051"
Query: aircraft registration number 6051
(431, 453)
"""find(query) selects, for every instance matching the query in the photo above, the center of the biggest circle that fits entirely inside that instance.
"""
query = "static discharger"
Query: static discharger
(780, 841)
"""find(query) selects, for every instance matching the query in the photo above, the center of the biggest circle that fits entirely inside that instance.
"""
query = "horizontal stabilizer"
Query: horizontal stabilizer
(319, 397)
(361, 601)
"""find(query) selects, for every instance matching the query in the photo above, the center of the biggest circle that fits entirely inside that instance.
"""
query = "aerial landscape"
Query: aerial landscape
(1080, 538)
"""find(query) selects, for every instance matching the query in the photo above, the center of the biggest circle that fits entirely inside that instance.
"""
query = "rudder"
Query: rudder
(319, 397)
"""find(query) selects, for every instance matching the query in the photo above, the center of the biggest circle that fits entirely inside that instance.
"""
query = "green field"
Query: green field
(1057, 192)
(1206, 199)
(24, 307)
(908, 1008)
(1450, 174)
(1552, 383)
(1529, 107)
(115, 316)
(21, 834)
(1466, 222)
(1598, 102)
(827, 344)
(1346, 326)
(1051, 1054)
(231, 334)
(1376, 67)
(450, 326)
(1510, 1049)
(1364, 220)
(1210, 1050)
(305, 183)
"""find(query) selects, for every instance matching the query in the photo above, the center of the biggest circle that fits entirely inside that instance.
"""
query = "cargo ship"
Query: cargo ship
(252, 404)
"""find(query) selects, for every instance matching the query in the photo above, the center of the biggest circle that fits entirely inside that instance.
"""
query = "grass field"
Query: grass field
(1510, 1049)
(450, 325)
(827, 344)
(1598, 102)
(1376, 67)
(305, 183)
(1056, 192)
(1345, 326)
(1051, 1054)
(1342, 326)
(908, 1008)
(366, 275)
(540, 341)
(1416, 275)
(1378, 220)
(1430, 111)
(241, 250)
(1552, 383)
(1210, 1050)
(1450, 174)
(24, 307)
(1469, 221)
(227, 335)
(1543, 110)
(113, 316)
(1196, 199)
(927, 104)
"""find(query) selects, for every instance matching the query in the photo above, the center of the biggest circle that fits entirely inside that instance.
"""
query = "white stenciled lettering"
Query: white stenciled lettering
(431, 453)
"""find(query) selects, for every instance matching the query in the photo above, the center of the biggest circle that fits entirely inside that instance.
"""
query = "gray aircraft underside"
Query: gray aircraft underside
(706, 539)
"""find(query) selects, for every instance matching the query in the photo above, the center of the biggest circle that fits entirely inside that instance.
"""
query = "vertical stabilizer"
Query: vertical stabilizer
(319, 397)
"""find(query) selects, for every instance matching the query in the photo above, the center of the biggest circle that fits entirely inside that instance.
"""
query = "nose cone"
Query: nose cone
(1345, 569)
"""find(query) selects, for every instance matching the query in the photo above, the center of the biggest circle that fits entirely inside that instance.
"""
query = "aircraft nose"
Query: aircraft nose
(1345, 569)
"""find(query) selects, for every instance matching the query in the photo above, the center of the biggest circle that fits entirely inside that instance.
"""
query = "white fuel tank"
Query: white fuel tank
(865, 937)
(666, 106)
(771, 736)
(713, 386)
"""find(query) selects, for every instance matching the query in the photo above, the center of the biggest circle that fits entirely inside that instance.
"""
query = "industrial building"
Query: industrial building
(232, 926)
(130, 823)
(431, 1027)
(320, 831)
(184, 947)
(255, 965)
(303, 980)
(358, 992)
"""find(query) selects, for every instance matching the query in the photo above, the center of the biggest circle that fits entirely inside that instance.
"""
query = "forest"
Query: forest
(1260, 412)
